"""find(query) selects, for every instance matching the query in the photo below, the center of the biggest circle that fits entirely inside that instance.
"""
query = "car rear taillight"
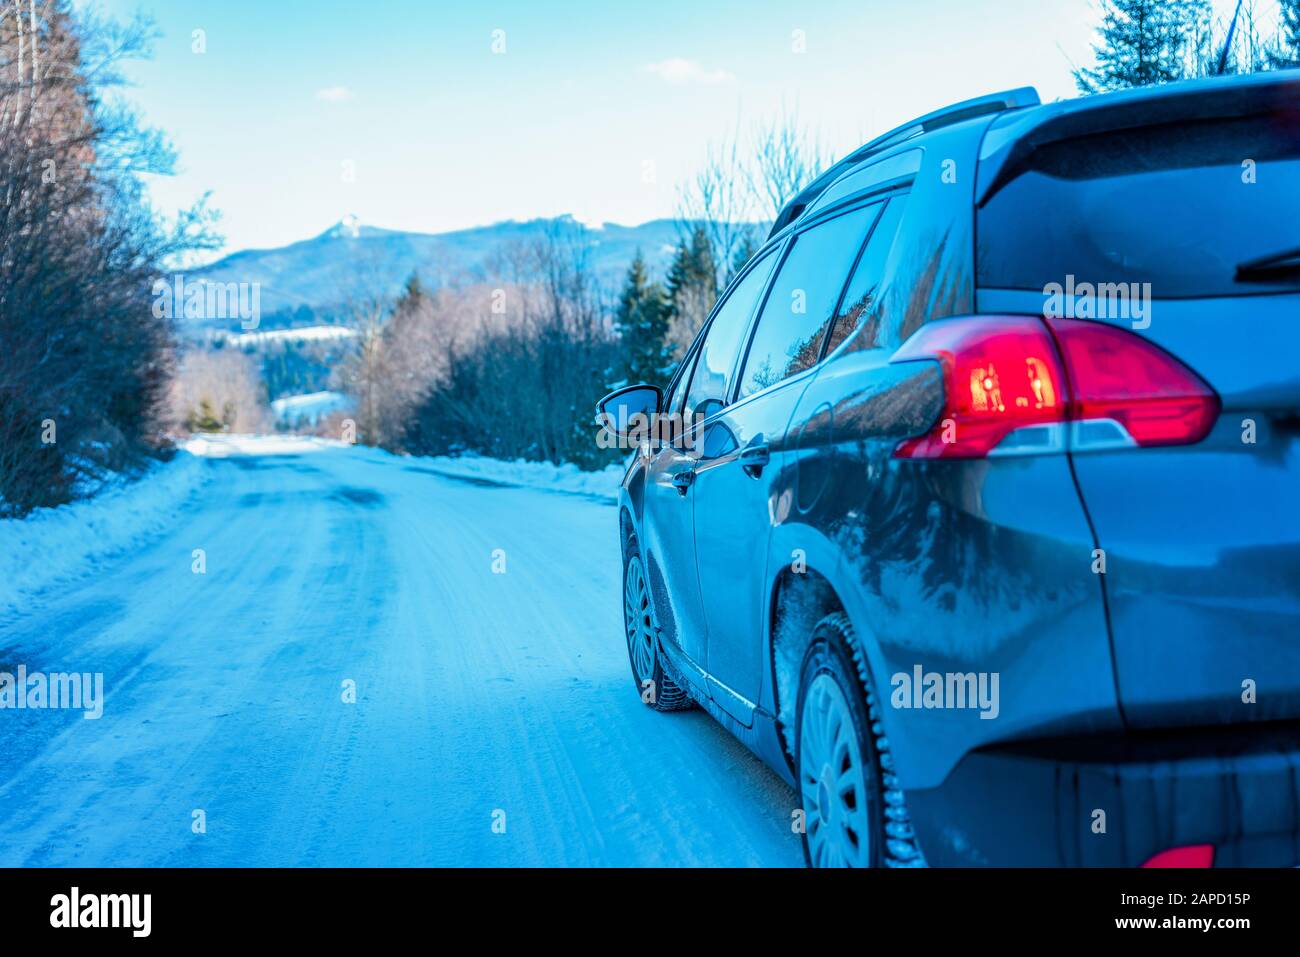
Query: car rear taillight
(1121, 377)
(999, 375)
(1193, 855)
(1022, 384)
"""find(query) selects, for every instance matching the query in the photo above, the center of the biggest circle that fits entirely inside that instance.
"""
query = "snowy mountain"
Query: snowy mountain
(317, 273)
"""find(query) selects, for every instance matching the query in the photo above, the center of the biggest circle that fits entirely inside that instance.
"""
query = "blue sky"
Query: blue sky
(443, 133)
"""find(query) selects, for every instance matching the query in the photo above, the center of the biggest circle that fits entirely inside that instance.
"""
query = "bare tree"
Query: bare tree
(414, 349)
(744, 183)
(366, 306)
(1234, 45)
(33, 33)
(219, 390)
(689, 307)
(524, 384)
(721, 200)
(86, 361)
(786, 159)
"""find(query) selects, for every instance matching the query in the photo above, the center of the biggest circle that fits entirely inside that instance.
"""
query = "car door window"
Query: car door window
(672, 425)
(800, 308)
(861, 306)
(712, 379)
(679, 387)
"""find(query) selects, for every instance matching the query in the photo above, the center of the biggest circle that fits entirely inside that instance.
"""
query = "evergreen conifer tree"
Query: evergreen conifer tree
(642, 323)
(1143, 43)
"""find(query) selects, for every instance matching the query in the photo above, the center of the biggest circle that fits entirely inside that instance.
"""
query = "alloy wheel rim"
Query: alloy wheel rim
(833, 779)
(636, 619)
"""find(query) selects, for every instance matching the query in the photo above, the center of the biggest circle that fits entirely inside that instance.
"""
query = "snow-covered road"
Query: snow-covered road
(476, 692)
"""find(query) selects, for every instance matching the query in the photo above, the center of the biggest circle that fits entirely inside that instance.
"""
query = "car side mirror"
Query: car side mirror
(628, 413)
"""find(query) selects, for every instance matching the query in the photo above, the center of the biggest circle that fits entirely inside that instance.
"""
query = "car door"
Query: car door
(669, 530)
(738, 483)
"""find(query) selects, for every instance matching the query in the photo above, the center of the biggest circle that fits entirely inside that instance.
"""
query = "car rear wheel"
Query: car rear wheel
(854, 815)
(653, 684)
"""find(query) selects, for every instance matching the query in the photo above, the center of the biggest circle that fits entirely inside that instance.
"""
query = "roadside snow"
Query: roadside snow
(544, 476)
(566, 478)
(52, 545)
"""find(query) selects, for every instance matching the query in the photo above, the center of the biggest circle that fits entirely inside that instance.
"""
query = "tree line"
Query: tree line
(84, 365)
(1148, 42)
(504, 363)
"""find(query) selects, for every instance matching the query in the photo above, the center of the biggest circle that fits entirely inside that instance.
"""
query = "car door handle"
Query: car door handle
(683, 480)
(754, 456)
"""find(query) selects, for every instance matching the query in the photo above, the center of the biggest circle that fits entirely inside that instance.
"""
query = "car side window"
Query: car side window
(800, 308)
(673, 404)
(712, 378)
(679, 388)
(861, 307)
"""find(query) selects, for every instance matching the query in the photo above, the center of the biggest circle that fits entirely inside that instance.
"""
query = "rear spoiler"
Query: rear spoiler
(1009, 144)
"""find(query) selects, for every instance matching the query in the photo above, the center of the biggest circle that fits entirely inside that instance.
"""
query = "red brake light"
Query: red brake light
(1117, 375)
(1036, 378)
(1193, 855)
(999, 375)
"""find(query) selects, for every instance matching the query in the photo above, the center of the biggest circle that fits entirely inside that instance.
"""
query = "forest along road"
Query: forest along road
(495, 720)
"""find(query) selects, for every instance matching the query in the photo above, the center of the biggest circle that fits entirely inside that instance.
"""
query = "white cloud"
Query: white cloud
(334, 94)
(679, 71)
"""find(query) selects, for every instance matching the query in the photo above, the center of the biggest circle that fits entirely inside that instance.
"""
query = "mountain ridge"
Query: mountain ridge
(318, 273)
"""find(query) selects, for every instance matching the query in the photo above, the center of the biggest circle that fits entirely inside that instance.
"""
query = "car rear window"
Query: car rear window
(1178, 206)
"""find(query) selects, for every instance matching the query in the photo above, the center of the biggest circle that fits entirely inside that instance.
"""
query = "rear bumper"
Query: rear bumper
(1036, 804)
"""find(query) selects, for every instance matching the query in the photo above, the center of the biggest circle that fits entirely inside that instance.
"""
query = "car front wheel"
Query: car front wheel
(653, 684)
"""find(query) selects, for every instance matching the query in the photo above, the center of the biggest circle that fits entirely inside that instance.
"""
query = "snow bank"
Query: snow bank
(566, 478)
(223, 445)
(56, 544)
(298, 334)
(309, 407)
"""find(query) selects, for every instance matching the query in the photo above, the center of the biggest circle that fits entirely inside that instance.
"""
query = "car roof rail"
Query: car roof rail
(947, 116)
